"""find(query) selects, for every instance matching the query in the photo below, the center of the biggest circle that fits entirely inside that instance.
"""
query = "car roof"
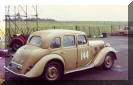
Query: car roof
(56, 32)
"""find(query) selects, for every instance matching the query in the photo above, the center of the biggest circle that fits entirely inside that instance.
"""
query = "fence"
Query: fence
(90, 28)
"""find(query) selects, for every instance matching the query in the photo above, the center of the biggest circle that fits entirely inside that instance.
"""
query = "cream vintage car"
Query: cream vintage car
(53, 53)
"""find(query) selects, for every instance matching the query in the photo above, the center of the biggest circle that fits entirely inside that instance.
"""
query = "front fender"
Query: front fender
(101, 55)
(38, 68)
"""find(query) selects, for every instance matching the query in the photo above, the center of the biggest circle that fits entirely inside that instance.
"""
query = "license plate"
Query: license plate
(15, 66)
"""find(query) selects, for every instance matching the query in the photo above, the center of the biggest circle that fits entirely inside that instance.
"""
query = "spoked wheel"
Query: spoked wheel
(108, 62)
(53, 71)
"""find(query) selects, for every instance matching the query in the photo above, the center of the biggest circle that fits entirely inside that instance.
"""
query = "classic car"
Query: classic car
(123, 31)
(53, 53)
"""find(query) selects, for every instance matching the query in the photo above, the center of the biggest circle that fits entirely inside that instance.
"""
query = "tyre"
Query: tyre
(16, 44)
(53, 71)
(109, 61)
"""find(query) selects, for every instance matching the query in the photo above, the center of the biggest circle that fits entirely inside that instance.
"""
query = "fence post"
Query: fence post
(89, 29)
(54, 27)
(111, 29)
(99, 30)
(119, 27)
(76, 27)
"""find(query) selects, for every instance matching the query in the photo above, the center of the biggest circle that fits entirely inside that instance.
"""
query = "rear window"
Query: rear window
(35, 40)
(56, 43)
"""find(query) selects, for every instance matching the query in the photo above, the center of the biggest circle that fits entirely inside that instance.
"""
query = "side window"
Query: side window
(68, 40)
(81, 39)
(56, 43)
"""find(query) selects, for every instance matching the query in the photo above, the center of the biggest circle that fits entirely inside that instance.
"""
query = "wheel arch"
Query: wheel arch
(100, 57)
(38, 68)
(113, 53)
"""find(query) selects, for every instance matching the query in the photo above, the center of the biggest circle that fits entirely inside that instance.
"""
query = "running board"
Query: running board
(80, 69)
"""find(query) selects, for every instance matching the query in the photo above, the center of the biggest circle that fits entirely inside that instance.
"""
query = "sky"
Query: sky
(75, 10)
(85, 13)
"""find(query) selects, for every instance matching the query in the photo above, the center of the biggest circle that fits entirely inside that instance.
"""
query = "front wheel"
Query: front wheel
(108, 62)
(53, 71)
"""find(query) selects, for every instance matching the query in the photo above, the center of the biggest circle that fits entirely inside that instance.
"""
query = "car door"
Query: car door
(83, 51)
(69, 51)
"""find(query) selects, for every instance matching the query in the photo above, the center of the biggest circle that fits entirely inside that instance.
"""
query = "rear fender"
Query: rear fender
(101, 55)
(38, 68)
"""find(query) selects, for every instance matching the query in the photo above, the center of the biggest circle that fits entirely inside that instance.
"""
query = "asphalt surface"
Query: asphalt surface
(118, 72)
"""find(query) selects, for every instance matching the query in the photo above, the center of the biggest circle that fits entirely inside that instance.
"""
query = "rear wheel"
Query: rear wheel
(109, 61)
(53, 71)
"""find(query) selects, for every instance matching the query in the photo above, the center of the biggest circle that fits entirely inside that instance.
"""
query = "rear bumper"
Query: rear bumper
(20, 75)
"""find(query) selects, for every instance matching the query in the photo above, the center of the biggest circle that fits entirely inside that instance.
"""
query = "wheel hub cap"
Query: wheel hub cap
(108, 61)
(52, 73)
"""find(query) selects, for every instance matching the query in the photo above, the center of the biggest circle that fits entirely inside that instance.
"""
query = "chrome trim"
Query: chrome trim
(22, 75)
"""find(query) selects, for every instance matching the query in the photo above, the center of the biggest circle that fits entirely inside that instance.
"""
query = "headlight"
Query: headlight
(107, 45)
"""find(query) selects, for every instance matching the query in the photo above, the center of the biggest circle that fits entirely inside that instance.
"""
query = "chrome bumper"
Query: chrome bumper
(21, 75)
